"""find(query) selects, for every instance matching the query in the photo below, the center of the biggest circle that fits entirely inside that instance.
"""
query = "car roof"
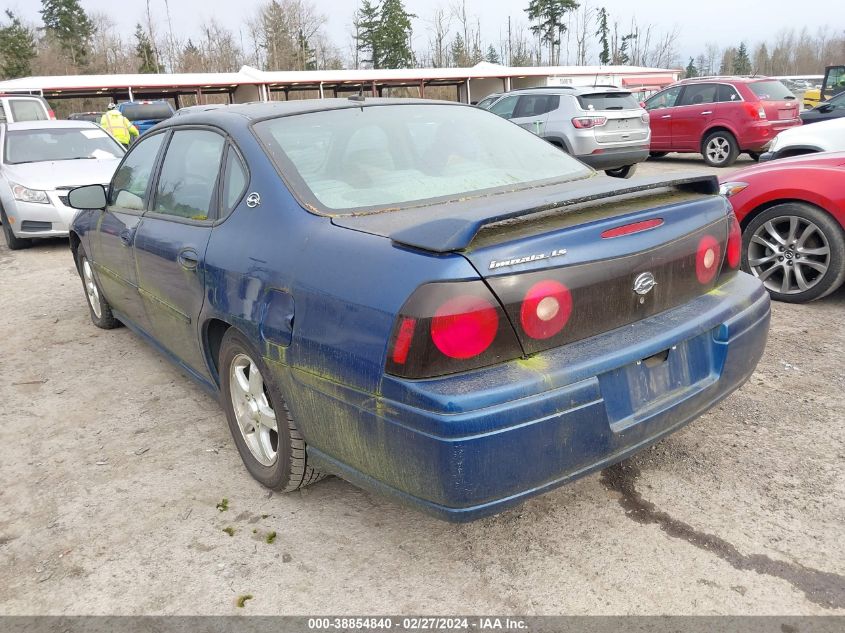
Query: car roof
(573, 90)
(268, 109)
(46, 125)
(726, 78)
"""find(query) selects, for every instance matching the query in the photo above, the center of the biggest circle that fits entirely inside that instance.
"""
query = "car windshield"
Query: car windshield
(365, 159)
(770, 90)
(147, 111)
(33, 146)
(608, 101)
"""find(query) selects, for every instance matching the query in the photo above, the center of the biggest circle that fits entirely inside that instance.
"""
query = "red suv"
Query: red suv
(720, 117)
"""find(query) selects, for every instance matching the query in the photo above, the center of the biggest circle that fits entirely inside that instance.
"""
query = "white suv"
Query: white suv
(602, 126)
(14, 108)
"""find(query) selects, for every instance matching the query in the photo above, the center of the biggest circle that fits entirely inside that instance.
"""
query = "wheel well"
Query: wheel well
(797, 152)
(214, 332)
(718, 128)
(74, 246)
(772, 203)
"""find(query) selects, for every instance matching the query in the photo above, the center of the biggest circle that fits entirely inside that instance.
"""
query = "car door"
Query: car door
(660, 108)
(692, 115)
(532, 112)
(112, 242)
(171, 241)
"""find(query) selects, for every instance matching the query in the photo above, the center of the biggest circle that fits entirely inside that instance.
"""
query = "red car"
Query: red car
(720, 117)
(792, 214)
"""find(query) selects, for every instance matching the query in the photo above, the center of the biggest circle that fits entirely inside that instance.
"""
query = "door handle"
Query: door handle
(126, 236)
(188, 259)
(707, 112)
(666, 116)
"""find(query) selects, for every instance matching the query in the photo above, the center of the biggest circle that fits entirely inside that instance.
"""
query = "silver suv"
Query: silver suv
(603, 126)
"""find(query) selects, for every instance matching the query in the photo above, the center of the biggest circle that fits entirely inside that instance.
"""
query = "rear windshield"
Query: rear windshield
(771, 90)
(33, 146)
(608, 101)
(28, 110)
(147, 111)
(365, 159)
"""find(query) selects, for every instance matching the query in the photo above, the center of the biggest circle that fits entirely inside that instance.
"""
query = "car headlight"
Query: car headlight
(24, 194)
(729, 189)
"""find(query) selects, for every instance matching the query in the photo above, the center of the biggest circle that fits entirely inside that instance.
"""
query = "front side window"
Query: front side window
(55, 144)
(504, 108)
(129, 184)
(359, 160)
(665, 99)
(188, 180)
(535, 105)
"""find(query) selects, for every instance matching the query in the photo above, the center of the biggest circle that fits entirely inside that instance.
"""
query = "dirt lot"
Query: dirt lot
(113, 463)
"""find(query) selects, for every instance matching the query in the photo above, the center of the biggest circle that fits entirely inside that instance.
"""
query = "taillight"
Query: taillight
(51, 115)
(707, 259)
(545, 309)
(447, 327)
(645, 117)
(756, 111)
(583, 122)
(464, 326)
(733, 250)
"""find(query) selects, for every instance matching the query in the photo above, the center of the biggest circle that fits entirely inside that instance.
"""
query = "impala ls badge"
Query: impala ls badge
(253, 200)
(643, 283)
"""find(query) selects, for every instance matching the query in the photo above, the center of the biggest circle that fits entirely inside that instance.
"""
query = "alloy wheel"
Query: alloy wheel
(91, 288)
(789, 254)
(253, 412)
(718, 149)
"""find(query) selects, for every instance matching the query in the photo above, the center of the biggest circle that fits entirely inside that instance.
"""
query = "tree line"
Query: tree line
(291, 35)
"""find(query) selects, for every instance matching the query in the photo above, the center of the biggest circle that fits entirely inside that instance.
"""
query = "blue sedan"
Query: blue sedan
(419, 297)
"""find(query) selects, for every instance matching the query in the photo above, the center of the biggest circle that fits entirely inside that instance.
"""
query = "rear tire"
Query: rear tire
(719, 149)
(621, 172)
(12, 241)
(98, 307)
(791, 245)
(271, 447)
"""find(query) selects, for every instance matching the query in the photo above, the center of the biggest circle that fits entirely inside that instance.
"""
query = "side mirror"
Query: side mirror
(642, 104)
(824, 107)
(87, 197)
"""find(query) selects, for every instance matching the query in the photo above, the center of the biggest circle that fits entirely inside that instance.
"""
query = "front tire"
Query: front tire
(621, 172)
(720, 149)
(12, 241)
(271, 447)
(796, 250)
(98, 307)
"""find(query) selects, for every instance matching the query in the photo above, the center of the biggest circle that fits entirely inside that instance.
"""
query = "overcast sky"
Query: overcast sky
(726, 22)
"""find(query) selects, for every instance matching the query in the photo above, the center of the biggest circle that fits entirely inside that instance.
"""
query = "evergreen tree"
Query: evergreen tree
(492, 56)
(691, 70)
(550, 16)
(368, 23)
(17, 48)
(394, 34)
(741, 62)
(145, 53)
(603, 34)
(458, 51)
(622, 56)
(67, 23)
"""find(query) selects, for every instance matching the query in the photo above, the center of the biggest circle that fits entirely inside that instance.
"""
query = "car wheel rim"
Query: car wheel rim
(91, 288)
(718, 149)
(789, 254)
(253, 412)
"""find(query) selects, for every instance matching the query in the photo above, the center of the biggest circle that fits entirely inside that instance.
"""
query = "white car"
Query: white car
(40, 163)
(15, 108)
(824, 136)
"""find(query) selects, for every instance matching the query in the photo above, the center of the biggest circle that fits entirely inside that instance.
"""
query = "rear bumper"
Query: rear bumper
(756, 136)
(465, 446)
(615, 158)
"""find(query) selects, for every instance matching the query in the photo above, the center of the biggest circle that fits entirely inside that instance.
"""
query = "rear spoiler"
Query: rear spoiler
(457, 222)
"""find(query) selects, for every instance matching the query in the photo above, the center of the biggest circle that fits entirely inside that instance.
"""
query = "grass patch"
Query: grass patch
(229, 530)
(271, 537)
(223, 505)
(242, 600)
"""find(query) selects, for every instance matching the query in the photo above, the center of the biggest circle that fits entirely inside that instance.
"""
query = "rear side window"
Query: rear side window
(27, 110)
(727, 93)
(698, 93)
(535, 105)
(130, 182)
(234, 180)
(608, 101)
(771, 90)
(188, 179)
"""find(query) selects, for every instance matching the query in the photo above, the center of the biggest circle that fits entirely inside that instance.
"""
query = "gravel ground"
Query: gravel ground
(113, 465)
